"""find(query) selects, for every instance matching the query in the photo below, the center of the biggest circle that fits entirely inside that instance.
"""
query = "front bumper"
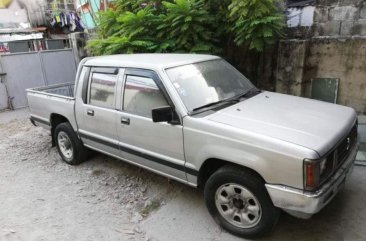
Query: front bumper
(304, 204)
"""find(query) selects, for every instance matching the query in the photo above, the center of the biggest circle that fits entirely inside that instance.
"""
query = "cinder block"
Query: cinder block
(359, 28)
(363, 12)
(331, 28)
(346, 28)
(343, 13)
(321, 14)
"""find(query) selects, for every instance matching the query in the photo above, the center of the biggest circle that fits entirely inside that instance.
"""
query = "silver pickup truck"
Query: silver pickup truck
(196, 119)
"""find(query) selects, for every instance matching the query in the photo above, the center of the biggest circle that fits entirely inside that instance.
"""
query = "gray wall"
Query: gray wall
(35, 69)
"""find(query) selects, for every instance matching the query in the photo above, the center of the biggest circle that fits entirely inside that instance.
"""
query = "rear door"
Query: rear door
(98, 110)
(157, 146)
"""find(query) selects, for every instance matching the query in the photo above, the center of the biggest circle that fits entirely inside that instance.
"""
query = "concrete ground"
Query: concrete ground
(41, 198)
(20, 114)
(186, 218)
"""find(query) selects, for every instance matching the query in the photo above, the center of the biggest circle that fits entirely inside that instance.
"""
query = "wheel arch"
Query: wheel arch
(55, 120)
(211, 165)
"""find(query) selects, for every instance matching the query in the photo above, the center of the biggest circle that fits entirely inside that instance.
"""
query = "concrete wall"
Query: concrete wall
(290, 67)
(299, 61)
(334, 46)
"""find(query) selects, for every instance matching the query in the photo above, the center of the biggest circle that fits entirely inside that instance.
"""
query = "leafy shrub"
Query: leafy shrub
(256, 22)
(198, 26)
(187, 24)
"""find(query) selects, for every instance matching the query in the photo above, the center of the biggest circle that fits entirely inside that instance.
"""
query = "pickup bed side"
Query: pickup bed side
(52, 105)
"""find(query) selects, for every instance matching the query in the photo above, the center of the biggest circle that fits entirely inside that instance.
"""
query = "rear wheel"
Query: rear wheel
(239, 202)
(69, 146)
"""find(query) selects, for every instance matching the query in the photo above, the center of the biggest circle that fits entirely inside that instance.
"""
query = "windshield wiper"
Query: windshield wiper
(250, 93)
(234, 99)
(214, 103)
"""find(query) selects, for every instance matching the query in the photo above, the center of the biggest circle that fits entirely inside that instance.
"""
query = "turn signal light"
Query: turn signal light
(311, 174)
(310, 182)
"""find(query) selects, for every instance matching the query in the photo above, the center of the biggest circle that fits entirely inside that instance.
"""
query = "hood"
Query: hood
(309, 123)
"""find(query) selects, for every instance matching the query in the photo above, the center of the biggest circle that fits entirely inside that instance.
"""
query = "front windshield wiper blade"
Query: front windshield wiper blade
(248, 94)
(214, 103)
(234, 99)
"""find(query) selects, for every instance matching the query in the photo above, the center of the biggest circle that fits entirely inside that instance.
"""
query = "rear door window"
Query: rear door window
(102, 91)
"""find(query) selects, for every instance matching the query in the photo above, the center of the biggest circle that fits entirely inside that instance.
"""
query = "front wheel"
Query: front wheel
(69, 146)
(239, 202)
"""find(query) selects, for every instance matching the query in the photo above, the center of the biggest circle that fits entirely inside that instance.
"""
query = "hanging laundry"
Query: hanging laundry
(62, 18)
(67, 21)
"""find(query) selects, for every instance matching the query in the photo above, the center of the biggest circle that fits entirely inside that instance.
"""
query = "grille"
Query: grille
(338, 156)
(344, 148)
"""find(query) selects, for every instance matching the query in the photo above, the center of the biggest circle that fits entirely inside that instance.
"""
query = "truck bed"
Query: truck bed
(66, 90)
(45, 102)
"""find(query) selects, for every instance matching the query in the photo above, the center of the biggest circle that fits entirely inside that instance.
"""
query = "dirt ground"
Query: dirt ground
(42, 198)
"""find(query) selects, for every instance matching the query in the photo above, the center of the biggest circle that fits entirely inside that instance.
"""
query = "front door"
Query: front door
(157, 146)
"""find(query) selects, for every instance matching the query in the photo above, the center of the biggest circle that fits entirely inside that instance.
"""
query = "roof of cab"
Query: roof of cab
(156, 61)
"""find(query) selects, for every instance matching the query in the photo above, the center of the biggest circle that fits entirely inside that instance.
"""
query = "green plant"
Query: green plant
(107, 23)
(153, 26)
(128, 32)
(188, 24)
(199, 26)
(133, 6)
(256, 22)
(219, 11)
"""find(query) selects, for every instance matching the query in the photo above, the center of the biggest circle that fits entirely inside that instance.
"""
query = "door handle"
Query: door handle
(125, 120)
(90, 112)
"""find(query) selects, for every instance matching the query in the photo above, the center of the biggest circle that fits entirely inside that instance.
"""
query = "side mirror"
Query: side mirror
(162, 114)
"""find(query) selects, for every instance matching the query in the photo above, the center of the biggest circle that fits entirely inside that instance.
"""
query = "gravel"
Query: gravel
(43, 198)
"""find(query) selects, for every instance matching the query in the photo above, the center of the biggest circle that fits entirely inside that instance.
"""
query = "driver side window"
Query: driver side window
(141, 95)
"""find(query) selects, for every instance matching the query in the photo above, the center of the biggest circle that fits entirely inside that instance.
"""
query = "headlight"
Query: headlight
(322, 164)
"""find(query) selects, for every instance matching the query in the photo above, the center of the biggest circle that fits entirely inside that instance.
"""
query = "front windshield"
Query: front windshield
(206, 82)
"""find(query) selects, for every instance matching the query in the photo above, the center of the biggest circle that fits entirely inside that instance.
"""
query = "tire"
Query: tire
(69, 146)
(243, 206)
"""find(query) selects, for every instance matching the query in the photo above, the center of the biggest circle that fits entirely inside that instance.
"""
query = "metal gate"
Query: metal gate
(33, 69)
